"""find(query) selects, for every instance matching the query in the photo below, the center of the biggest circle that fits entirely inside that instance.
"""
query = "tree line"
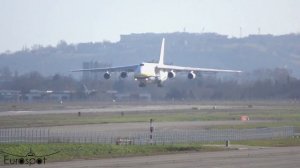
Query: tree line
(266, 84)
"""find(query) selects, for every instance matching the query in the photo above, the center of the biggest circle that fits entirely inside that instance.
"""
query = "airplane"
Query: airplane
(156, 73)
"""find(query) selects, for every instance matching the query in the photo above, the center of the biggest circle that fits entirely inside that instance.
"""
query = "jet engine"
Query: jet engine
(106, 75)
(171, 74)
(191, 75)
(123, 74)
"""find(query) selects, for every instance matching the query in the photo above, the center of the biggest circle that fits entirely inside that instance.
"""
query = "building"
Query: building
(10, 95)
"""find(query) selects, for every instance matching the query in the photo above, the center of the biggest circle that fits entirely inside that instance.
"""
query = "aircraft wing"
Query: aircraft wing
(130, 68)
(184, 69)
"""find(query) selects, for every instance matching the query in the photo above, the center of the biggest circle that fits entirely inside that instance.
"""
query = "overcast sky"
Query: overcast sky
(46, 22)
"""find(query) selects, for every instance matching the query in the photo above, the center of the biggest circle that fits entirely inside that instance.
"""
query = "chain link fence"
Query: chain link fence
(47, 135)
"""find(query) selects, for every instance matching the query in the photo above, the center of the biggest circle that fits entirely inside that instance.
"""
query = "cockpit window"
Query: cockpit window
(141, 64)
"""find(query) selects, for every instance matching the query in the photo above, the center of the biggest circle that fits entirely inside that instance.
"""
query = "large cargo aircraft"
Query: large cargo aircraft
(155, 73)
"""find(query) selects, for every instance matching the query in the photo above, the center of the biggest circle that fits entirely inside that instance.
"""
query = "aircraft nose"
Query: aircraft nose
(138, 70)
(138, 73)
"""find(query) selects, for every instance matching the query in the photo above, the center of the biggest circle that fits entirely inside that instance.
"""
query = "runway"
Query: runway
(110, 109)
(103, 109)
(287, 157)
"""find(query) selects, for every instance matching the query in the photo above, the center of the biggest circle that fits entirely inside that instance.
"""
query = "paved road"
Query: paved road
(287, 157)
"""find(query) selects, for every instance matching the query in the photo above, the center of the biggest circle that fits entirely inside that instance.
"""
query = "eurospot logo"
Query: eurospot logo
(28, 159)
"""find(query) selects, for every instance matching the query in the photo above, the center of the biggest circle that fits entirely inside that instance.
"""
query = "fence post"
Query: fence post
(48, 135)
(36, 136)
(31, 135)
(24, 130)
(10, 132)
(15, 135)
(151, 131)
(227, 143)
(40, 136)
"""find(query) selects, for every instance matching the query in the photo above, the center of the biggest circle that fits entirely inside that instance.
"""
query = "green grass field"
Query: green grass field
(93, 151)
(89, 151)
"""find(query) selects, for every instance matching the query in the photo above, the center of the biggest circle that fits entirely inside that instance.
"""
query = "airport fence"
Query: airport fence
(47, 135)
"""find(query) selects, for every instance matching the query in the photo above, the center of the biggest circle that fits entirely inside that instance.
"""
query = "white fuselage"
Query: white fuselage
(148, 73)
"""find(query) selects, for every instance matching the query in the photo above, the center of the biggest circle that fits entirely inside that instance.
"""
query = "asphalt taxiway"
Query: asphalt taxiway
(279, 157)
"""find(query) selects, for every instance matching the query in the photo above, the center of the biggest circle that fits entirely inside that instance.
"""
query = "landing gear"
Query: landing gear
(159, 84)
(142, 84)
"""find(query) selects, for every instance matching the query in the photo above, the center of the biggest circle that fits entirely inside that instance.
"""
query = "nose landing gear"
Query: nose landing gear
(159, 84)
(141, 84)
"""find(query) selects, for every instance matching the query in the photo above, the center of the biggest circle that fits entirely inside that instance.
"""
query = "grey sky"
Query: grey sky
(29, 22)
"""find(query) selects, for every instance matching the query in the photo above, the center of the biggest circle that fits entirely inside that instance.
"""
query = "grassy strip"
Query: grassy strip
(246, 125)
(283, 142)
(289, 115)
(88, 151)
(94, 118)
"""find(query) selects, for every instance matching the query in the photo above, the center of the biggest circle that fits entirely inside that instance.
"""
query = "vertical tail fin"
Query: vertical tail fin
(85, 88)
(162, 52)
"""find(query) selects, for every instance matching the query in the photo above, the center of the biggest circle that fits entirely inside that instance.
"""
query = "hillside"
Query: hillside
(188, 49)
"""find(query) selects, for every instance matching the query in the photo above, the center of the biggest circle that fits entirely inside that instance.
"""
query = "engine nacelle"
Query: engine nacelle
(191, 75)
(106, 75)
(123, 74)
(171, 74)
